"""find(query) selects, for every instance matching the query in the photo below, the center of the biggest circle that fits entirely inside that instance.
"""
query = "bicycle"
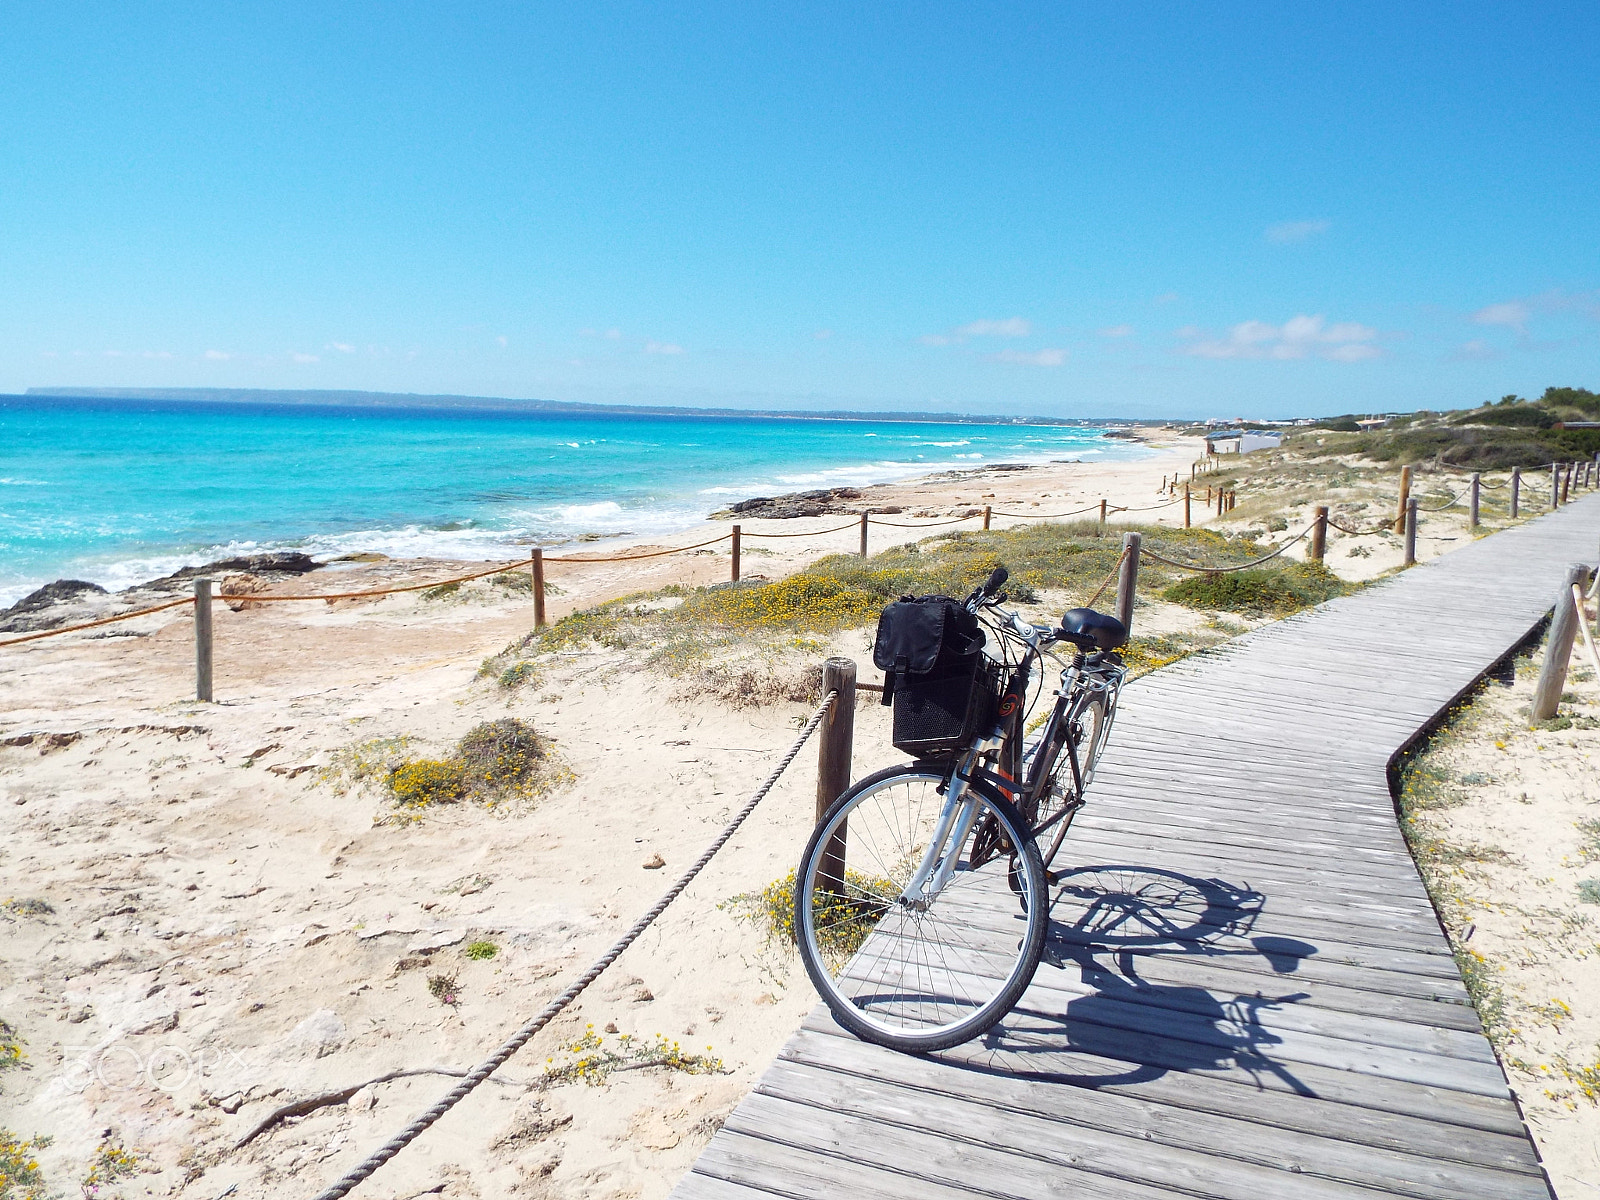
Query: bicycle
(895, 897)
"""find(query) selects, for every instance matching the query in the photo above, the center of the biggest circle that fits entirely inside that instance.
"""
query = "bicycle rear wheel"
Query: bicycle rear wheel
(907, 977)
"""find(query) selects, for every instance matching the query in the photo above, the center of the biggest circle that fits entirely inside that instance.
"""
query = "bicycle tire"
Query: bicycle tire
(916, 981)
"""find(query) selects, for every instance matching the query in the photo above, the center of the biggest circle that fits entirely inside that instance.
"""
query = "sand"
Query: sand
(1519, 833)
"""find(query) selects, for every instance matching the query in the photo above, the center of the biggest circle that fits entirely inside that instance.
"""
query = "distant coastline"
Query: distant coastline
(359, 399)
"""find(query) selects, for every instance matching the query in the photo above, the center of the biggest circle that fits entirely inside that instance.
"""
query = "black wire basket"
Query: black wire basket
(939, 714)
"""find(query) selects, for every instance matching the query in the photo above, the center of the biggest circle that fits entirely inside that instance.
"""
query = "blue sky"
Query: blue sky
(1071, 209)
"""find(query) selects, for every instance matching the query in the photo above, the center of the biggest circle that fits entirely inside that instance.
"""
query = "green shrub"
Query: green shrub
(481, 951)
(1526, 416)
(31, 907)
(842, 925)
(500, 756)
(425, 781)
(20, 1175)
(493, 761)
(1259, 591)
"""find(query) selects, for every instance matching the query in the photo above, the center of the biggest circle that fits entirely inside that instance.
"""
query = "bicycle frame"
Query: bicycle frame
(1081, 683)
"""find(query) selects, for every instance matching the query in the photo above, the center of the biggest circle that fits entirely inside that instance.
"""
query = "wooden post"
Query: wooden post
(1102, 511)
(1208, 497)
(987, 512)
(1555, 485)
(1128, 578)
(835, 741)
(1558, 647)
(1566, 485)
(1319, 534)
(1221, 500)
(864, 513)
(538, 588)
(202, 639)
(1472, 506)
(736, 554)
(1405, 494)
(1411, 532)
(1187, 501)
(1516, 491)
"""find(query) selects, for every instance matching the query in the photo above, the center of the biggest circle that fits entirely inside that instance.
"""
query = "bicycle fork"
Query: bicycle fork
(939, 860)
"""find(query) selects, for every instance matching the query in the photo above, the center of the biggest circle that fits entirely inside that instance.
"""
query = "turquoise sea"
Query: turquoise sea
(120, 491)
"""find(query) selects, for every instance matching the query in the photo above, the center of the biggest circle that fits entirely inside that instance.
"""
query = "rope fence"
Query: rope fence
(1245, 566)
(550, 1011)
(1563, 476)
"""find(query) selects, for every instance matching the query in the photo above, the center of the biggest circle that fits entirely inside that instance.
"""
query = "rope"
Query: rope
(127, 616)
(1583, 627)
(856, 524)
(255, 598)
(1151, 507)
(1360, 532)
(1237, 567)
(632, 557)
(1447, 504)
(922, 525)
(522, 1036)
(1115, 571)
(1044, 516)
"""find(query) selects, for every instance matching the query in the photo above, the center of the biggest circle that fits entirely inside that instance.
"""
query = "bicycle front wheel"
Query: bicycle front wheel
(931, 974)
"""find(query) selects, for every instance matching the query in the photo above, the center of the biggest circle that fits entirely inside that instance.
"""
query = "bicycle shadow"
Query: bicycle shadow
(1129, 932)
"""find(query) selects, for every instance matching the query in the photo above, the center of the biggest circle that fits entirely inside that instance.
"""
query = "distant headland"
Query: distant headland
(354, 399)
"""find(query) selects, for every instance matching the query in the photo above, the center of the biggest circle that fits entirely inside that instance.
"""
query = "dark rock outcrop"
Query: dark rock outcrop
(815, 503)
(283, 562)
(52, 594)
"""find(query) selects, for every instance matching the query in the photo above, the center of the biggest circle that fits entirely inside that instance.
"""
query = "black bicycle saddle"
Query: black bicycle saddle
(1102, 632)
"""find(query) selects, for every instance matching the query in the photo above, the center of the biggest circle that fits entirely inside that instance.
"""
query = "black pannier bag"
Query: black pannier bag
(930, 650)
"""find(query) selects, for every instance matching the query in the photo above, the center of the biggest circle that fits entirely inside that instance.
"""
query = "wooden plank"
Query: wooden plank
(1175, 1147)
(1078, 1079)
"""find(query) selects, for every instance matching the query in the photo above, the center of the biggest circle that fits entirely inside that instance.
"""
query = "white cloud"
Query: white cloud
(1513, 315)
(822, 335)
(502, 340)
(342, 347)
(218, 355)
(1298, 337)
(1168, 298)
(613, 334)
(304, 358)
(1474, 351)
(1039, 358)
(1287, 232)
(1352, 352)
(1116, 331)
(935, 339)
(1006, 327)
(662, 348)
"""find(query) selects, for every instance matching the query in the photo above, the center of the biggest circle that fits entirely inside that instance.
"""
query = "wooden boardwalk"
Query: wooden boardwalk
(1246, 991)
